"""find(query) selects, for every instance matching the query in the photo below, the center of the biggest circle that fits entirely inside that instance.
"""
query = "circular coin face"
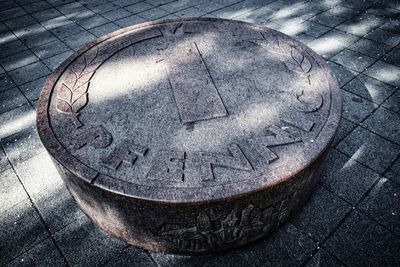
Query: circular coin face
(189, 110)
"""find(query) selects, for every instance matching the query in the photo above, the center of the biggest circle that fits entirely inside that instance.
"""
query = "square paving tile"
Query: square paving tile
(4, 163)
(328, 19)
(116, 14)
(31, 90)
(131, 256)
(153, 14)
(16, 120)
(346, 178)
(139, 7)
(104, 29)
(343, 11)
(369, 149)
(11, 47)
(37, 6)
(385, 72)
(11, 13)
(67, 30)
(20, 22)
(11, 190)
(361, 24)
(332, 42)
(50, 49)
(321, 214)
(19, 60)
(288, 246)
(343, 74)
(392, 25)
(77, 240)
(78, 40)
(29, 73)
(11, 99)
(394, 172)
(369, 88)
(393, 57)
(43, 254)
(47, 14)
(313, 29)
(128, 21)
(190, 12)
(22, 145)
(388, 38)
(385, 123)
(5, 82)
(383, 204)
(356, 108)
(20, 229)
(92, 22)
(323, 258)
(370, 48)
(55, 61)
(362, 242)
(353, 60)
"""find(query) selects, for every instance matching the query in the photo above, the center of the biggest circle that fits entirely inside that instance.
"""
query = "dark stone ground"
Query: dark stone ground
(353, 219)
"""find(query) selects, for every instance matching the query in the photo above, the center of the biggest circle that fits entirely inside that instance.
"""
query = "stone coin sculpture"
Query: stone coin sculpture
(190, 136)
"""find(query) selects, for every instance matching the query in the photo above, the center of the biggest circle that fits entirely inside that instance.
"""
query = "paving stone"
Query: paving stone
(175, 6)
(125, 22)
(78, 40)
(131, 256)
(356, 108)
(321, 214)
(47, 14)
(20, 22)
(11, 99)
(328, 19)
(50, 49)
(288, 246)
(11, 47)
(393, 57)
(332, 42)
(346, 178)
(11, 13)
(314, 29)
(56, 206)
(394, 172)
(29, 73)
(77, 240)
(304, 38)
(6, 83)
(43, 254)
(20, 229)
(103, 8)
(343, 74)
(235, 10)
(104, 29)
(116, 14)
(385, 123)
(56, 23)
(19, 60)
(139, 7)
(229, 259)
(393, 102)
(22, 145)
(153, 14)
(385, 72)
(343, 11)
(345, 128)
(123, 3)
(4, 163)
(54, 62)
(92, 22)
(370, 48)
(16, 120)
(190, 12)
(353, 60)
(209, 7)
(37, 6)
(383, 204)
(38, 174)
(388, 38)
(11, 190)
(361, 24)
(362, 242)
(40, 37)
(369, 88)
(369, 149)
(357, 4)
(392, 25)
(67, 30)
(322, 259)
(384, 11)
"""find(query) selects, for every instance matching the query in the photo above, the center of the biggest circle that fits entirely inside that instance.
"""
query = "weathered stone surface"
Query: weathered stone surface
(190, 136)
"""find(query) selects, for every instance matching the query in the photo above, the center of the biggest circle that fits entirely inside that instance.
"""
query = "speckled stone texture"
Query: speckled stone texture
(190, 136)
